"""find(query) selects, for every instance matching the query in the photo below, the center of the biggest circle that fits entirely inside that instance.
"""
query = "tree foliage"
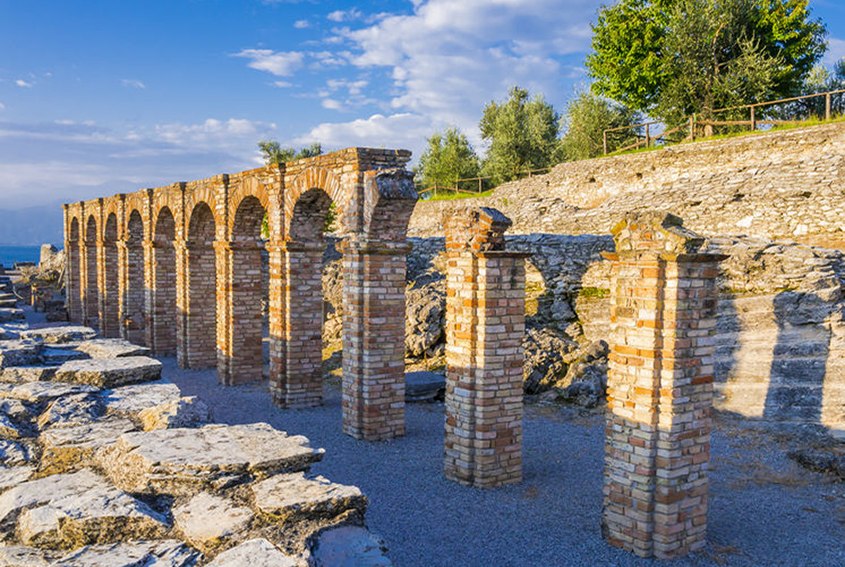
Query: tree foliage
(672, 58)
(449, 157)
(523, 134)
(587, 117)
(273, 152)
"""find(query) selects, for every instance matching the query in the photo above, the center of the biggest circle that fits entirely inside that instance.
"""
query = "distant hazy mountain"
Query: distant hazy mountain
(32, 226)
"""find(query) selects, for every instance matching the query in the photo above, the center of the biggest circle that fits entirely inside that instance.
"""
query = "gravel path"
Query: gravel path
(764, 510)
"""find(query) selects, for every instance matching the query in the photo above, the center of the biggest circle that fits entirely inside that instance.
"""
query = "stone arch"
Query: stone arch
(74, 291)
(201, 287)
(162, 332)
(252, 193)
(132, 318)
(109, 304)
(316, 186)
(91, 294)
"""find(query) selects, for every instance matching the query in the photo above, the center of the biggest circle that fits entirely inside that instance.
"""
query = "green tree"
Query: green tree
(587, 117)
(273, 152)
(672, 58)
(523, 134)
(449, 157)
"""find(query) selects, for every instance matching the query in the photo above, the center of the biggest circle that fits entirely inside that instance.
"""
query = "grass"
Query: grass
(450, 196)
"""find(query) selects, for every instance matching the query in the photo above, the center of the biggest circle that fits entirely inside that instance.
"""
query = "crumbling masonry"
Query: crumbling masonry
(485, 313)
(660, 387)
(178, 269)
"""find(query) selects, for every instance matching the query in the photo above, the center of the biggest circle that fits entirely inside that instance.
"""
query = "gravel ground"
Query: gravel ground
(765, 510)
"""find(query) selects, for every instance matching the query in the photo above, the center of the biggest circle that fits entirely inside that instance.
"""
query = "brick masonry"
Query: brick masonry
(485, 324)
(660, 387)
(179, 269)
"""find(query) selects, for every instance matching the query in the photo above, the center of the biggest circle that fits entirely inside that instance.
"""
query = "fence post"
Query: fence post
(480, 189)
(753, 118)
(827, 106)
(604, 134)
(692, 128)
(647, 136)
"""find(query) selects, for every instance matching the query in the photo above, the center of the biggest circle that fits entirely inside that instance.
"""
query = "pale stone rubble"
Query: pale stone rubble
(105, 464)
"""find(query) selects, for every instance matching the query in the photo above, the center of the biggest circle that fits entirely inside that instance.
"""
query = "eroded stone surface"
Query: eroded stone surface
(94, 516)
(8, 428)
(129, 400)
(178, 461)
(61, 334)
(110, 372)
(57, 356)
(71, 410)
(111, 348)
(37, 492)
(8, 314)
(21, 374)
(165, 553)
(14, 453)
(13, 476)
(69, 448)
(24, 556)
(206, 518)
(350, 546)
(38, 392)
(184, 412)
(292, 495)
(18, 353)
(255, 553)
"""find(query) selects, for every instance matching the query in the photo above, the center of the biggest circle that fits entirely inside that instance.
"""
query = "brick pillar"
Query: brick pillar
(198, 305)
(373, 339)
(182, 303)
(109, 303)
(160, 261)
(278, 319)
(91, 291)
(131, 292)
(73, 291)
(300, 384)
(239, 320)
(485, 325)
(660, 387)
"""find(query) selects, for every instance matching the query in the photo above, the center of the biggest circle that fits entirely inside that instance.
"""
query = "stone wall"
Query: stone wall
(782, 185)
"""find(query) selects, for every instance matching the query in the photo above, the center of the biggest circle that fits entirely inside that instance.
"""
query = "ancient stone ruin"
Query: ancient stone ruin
(178, 269)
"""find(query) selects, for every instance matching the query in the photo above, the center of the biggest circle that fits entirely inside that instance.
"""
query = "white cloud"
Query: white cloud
(301, 24)
(133, 83)
(403, 130)
(332, 104)
(24, 84)
(835, 51)
(344, 15)
(282, 84)
(448, 59)
(279, 63)
(2, 106)
(213, 131)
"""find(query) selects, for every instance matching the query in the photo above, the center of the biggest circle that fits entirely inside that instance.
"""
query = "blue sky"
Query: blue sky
(107, 96)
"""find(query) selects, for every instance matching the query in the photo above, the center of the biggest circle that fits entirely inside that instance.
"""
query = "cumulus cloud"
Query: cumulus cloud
(344, 15)
(24, 84)
(301, 24)
(213, 131)
(133, 83)
(835, 51)
(402, 130)
(2, 106)
(279, 63)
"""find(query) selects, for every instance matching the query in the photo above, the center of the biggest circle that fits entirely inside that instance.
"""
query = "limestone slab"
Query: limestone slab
(40, 491)
(111, 348)
(184, 412)
(181, 461)
(110, 372)
(164, 553)
(255, 553)
(71, 410)
(21, 374)
(68, 448)
(350, 546)
(56, 356)
(13, 476)
(8, 428)
(61, 334)
(94, 516)
(40, 392)
(207, 518)
(129, 400)
(19, 353)
(293, 495)
(14, 453)
(8, 314)
(24, 556)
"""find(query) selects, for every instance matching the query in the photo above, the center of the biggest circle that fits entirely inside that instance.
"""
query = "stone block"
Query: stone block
(208, 521)
(41, 392)
(162, 553)
(424, 386)
(25, 556)
(349, 546)
(19, 353)
(130, 400)
(13, 476)
(292, 496)
(60, 334)
(15, 453)
(110, 372)
(9, 314)
(184, 412)
(70, 410)
(111, 348)
(255, 553)
(20, 374)
(66, 449)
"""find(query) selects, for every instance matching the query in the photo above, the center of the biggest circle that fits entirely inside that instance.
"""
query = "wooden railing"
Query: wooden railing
(648, 139)
(455, 187)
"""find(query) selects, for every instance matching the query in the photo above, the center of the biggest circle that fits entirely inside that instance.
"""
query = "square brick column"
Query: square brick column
(160, 260)
(373, 339)
(660, 387)
(73, 291)
(196, 282)
(109, 289)
(239, 321)
(485, 325)
(300, 384)
(90, 288)
(131, 292)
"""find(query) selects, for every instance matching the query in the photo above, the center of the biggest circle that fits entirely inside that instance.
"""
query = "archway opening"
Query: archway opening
(74, 292)
(250, 293)
(91, 303)
(133, 320)
(201, 316)
(163, 290)
(109, 316)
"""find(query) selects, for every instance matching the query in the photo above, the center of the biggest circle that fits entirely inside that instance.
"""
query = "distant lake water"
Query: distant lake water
(11, 254)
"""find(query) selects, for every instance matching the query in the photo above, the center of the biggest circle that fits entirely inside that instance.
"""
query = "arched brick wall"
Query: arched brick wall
(73, 291)
(162, 332)
(201, 321)
(91, 294)
(132, 316)
(109, 304)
